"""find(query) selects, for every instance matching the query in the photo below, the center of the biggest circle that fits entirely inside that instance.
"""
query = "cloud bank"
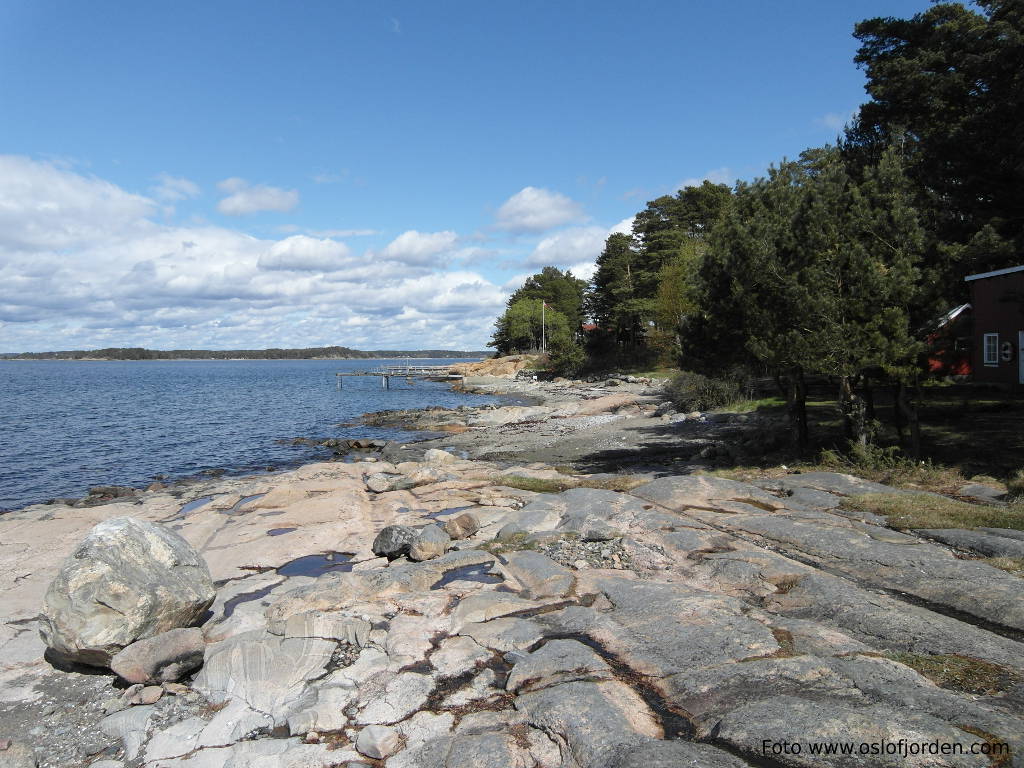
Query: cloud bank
(85, 264)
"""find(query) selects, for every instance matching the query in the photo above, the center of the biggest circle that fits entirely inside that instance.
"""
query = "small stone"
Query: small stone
(151, 694)
(462, 527)
(430, 543)
(393, 541)
(166, 657)
(176, 689)
(437, 456)
(509, 531)
(378, 741)
(580, 565)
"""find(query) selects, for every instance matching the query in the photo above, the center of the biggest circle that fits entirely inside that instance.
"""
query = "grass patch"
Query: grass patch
(536, 484)
(919, 510)
(765, 405)
(517, 542)
(891, 467)
(960, 673)
(1014, 565)
(615, 483)
(557, 485)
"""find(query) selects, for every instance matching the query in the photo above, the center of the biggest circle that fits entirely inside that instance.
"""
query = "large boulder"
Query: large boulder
(393, 541)
(128, 580)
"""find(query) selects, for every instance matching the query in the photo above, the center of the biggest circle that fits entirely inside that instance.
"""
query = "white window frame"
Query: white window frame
(990, 360)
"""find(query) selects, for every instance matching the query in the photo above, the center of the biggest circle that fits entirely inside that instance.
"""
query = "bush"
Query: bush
(689, 391)
(1015, 486)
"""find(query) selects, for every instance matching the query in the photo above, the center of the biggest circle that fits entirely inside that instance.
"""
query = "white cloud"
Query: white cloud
(84, 265)
(414, 247)
(44, 206)
(717, 176)
(302, 253)
(584, 270)
(570, 246)
(537, 210)
(175, 188)
(245, 198)
(624, 227)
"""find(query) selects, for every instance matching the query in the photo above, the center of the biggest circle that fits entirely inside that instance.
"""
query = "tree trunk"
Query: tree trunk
(796, 408)
(855, 422)
(869, 400)
(909, 411)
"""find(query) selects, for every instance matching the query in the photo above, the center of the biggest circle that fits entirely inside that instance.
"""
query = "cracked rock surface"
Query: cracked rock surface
(687, 621)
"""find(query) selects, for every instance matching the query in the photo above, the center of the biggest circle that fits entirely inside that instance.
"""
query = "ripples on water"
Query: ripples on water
(67, 426)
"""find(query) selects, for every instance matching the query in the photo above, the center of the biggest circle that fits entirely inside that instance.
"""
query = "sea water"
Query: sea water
(66, 426)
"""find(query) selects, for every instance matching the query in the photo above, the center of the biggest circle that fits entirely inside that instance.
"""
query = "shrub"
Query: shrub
(689, 391)
(1015, 486)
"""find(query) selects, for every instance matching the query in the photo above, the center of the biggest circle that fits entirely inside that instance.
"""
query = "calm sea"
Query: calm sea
(68, 426)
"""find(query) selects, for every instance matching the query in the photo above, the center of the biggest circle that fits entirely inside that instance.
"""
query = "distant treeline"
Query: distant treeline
(138, 353)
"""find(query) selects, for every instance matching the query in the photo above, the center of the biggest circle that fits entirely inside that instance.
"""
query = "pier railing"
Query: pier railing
(386, 372)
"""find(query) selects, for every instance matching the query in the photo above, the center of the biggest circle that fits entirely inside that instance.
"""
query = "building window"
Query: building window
(991, 349)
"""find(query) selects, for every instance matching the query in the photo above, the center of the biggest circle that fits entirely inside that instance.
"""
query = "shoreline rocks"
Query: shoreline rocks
(128, 580)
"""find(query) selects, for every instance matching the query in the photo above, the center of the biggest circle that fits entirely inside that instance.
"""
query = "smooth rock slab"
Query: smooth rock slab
(981, 542)
(265, 671)
(402, 696)
(557, 661)
(128, 580)
(541, 575)
(675, 754)
(162, 659)
(795, 720)
(596, 720)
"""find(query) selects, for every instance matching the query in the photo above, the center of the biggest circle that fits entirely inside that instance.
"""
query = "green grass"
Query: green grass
(536, 484)
(960, 673)
(557, 485)
(919, 510)
(763, 405)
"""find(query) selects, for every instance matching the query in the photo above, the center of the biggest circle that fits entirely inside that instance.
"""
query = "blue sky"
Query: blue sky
(376, 175)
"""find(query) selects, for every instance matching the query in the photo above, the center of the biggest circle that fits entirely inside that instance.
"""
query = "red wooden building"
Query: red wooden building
(998, 301)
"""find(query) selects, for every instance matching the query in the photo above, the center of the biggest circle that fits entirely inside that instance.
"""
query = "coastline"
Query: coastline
(615, 603)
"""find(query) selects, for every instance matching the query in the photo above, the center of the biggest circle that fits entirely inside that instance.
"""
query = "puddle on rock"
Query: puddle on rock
(194, 505)
(247, 597)
(280, 531)
(480, 573)
(317, 565)
(237, 507)
(448, 511)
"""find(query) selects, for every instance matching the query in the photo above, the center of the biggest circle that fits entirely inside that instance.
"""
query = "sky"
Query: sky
(376, 175)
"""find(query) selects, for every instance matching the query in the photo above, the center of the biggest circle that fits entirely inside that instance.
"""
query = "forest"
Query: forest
(833, 264)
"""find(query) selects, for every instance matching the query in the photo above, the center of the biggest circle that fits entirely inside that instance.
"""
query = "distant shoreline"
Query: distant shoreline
(226, 359)
(270, 353)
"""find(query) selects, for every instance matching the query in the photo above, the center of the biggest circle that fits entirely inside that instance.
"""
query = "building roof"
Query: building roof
(994, 273)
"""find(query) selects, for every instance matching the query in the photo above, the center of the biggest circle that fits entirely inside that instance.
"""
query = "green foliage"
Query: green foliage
(519, 329)
(947, 87)
(646, 281)
(689, 391)
(930, 510)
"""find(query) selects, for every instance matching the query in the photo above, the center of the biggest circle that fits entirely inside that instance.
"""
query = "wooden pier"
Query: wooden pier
(409, 372)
